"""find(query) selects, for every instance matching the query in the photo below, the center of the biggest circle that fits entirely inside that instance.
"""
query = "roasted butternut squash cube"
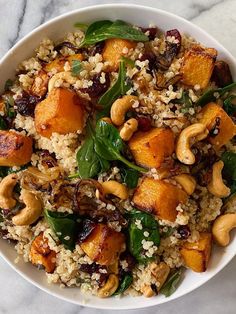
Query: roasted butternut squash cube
(150, 148)
(196, 255)
(221, 127)
(104, 245)
(15, 149)
(61, 112)
(114, 49)
(41, 254)
(40, 84)
(57, 65)
(159, 198)
(198, 66)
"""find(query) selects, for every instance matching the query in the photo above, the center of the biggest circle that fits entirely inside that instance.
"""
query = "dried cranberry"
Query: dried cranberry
(66, 44)
(95, 268)
(144, 124)
(151, 57)
(97, 89)
(152, 32)
(48, 159)
(26, 104)
(221, 74)
(174, 33)
(130, 260)
(86, 229)
(97, 48)
(184, 232)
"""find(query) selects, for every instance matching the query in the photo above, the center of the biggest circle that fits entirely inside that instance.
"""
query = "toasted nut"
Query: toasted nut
(115, 188)
(107, 120)
(64, 76)
(128, 129)
(160, 272)
(216, 185)
(120, 107)
(6, 190)
(222, 227)
(32, 210)
(187, 182)
(147, 291)
(110, 287)
(196, 132)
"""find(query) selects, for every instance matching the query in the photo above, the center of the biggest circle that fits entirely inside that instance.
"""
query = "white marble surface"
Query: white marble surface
(18, 17)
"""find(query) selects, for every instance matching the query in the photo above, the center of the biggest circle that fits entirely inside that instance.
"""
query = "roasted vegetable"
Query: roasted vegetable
(220, 125)
(198, 65)
(15, 149)
(59, 63)
(150, 148)
(159, 198)
(41, 255)
(62, 112)
(196, 255)
(221, 74)
(103, 245)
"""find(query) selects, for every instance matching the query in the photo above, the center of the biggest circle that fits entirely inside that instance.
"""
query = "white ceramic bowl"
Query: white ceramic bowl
(55, 29)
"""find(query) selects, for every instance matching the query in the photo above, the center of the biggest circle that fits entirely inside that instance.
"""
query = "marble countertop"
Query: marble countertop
(19, 17)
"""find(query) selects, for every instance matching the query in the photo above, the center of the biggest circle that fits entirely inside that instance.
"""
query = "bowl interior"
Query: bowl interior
(56, 29)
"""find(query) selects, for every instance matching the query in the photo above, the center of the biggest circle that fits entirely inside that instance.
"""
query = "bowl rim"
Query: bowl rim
(85, 10)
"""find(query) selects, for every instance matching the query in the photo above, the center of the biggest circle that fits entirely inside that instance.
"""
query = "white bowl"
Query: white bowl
(55, 29)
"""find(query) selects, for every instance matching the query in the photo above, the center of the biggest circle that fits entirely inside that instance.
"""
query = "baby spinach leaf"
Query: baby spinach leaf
(125, 282)
(105, 29)
(129, 176)
(65, 227)
(3, 125)
(8, 85)
(3, 171)
(229, 170)
(210, 94)
(76, 67)
(186, 101)
(171, 283)
(229, 105)
(9, 106)
(136, 234)
(81, 26)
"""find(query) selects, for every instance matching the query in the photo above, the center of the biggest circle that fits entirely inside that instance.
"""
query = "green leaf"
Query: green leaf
(136, 235)
(210, 94)
(1, 218)
(9, 106)
(76, 67)
(229, 105)
(3, 125)
(171, 283)
(65, 227)
(81, 26)
(129, 177)
(186, 101)
(105, 29)
(229, 170)
(8, 85)
(3, 171)
(125, 283)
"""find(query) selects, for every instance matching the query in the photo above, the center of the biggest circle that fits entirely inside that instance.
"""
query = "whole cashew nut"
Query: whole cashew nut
(110, 287)
(147, 291)
(216, 185)
(115, 188)
(120, 107)
(196, 132)
(187, 182)
(222, 227)
(128, 129)
(32, 210)
(64, 76)
(6, 190)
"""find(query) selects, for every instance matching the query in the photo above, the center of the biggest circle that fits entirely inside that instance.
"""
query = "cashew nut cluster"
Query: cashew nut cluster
(110, 287)
(120, 107)
(128, 129)
(114, 188)
(187, 182)
(64, 76)
(222, 227)
(32, 210)
(190, 135)
(216, 185)
(6, 190)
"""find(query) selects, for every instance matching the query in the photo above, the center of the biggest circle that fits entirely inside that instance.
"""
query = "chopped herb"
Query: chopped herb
(3, 125)
(8, 85)
(76, 67)
(229, 105)
(186, 101)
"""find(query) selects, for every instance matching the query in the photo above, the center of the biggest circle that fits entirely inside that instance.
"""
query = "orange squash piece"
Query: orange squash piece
(214, 117)
(198, 66)
(104, 245)
(196, 255)
(114, 49)
(159, 198)
(150, 148)
(15, 149)
(41, 254)
(57, 65)
(61, 112)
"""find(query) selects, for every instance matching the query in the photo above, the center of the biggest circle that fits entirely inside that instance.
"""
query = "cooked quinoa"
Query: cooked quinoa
(92, 193)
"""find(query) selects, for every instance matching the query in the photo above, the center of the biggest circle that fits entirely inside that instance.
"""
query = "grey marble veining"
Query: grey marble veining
(19, 17)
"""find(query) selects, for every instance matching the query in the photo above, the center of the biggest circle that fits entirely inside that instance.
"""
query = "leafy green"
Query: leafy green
(3, 125)
(171, 283)
(65, 226)
(105, 29)
(210, 94)
(129, 176)
(9, 106)
(136, 235)
(229, 105)
(81, 26)
(76, 67)
(119, 88)
(186, 101)
(3, 171)
(1, 218)
(229, 170)
(124, 284)
(8, 85)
